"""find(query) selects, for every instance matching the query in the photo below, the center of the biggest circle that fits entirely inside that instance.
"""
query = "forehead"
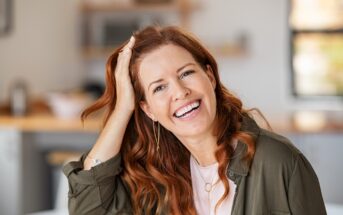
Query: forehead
(162, 61)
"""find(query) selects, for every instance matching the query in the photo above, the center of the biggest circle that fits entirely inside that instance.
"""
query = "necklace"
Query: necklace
(209, 185)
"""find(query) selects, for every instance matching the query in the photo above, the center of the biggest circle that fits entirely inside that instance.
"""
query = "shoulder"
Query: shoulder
(274, 153)
(275, 150)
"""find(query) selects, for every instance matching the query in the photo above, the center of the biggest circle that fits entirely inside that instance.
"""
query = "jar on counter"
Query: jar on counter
(19, 98)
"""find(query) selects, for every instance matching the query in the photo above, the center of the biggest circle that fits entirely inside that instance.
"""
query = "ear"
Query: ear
(146, 108)
(210, 75)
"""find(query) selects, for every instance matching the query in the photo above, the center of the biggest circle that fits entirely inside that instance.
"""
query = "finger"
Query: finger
(131, 42)
(127, 49)
(124, 59)
(125, 56)
(129, 45)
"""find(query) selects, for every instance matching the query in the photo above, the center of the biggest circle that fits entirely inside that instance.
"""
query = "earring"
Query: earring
(157, 136)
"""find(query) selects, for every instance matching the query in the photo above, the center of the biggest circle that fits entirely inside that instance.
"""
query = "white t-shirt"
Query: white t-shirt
(205, 202)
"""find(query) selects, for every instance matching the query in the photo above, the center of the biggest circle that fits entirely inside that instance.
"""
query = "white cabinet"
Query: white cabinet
(27, 180)
(10, 164)
(24, 180)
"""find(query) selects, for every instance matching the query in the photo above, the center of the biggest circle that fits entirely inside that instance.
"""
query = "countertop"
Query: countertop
(50, 123)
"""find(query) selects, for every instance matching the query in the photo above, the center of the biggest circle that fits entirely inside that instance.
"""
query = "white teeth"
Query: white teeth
(187, 108)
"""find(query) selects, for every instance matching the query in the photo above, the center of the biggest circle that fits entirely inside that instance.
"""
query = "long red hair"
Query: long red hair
(161, 180)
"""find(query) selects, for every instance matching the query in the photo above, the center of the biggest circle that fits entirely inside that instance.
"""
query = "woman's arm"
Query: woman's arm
(99, 190)
(304, 193)
(111, 137)
(96, 187)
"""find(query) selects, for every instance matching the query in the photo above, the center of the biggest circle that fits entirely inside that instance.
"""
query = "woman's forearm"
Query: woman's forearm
(110, 139)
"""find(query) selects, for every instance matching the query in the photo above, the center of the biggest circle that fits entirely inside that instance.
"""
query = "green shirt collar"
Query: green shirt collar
(237, 166)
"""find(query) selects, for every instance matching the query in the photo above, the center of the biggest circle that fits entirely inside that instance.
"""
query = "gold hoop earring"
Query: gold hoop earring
(157, 136)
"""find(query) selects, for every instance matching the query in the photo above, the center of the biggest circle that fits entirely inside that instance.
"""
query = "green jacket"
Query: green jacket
(280, 181)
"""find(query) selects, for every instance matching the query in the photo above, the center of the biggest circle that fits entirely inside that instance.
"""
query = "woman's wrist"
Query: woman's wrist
(122, 114)
(94, 161)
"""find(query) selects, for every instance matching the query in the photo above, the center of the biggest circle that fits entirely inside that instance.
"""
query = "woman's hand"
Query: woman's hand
(124, 88)
(110, 139)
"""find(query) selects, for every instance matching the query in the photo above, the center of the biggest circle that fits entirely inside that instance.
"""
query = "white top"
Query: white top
(205, 201)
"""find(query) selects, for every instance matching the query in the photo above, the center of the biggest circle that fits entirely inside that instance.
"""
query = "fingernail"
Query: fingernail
(131, 38)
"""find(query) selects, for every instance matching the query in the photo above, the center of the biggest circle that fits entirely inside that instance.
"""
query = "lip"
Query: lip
(188, 103)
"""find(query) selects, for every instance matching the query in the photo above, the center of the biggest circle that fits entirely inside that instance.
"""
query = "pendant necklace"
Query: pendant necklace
(209, 185)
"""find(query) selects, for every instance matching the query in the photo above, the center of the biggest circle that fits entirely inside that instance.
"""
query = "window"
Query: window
(317, 48)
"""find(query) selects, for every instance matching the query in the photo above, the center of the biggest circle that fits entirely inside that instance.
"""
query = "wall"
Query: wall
(42, 47)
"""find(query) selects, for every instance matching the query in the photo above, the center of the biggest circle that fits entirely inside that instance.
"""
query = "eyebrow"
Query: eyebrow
(178, 70)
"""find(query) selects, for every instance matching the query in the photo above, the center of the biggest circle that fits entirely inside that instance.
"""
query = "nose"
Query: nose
(180, 91)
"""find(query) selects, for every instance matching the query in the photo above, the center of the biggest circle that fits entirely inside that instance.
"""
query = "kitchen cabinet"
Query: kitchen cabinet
(24, 184)
(28, 181)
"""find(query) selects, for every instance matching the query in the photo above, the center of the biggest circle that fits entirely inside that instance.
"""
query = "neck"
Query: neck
(202, 149)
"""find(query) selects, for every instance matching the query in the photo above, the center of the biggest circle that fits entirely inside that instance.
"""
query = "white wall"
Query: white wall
(42, 47)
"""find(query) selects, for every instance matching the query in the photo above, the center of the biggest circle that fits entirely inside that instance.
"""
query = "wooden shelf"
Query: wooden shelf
(229, 50)
(225, 50)
(93, 52)
(131, 6)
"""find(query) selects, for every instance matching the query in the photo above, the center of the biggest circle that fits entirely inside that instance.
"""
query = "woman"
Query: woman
(176, 141)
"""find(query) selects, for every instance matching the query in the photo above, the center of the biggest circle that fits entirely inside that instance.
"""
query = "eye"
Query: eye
(158, 88)
(187, 73)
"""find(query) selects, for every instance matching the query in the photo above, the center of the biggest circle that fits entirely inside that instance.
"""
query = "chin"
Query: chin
(193, 132)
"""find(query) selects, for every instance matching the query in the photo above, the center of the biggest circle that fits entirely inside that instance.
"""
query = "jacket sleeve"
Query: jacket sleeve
(98, 191)
(305, 196)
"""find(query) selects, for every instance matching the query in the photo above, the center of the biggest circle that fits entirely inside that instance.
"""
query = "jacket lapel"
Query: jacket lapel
(238, 168)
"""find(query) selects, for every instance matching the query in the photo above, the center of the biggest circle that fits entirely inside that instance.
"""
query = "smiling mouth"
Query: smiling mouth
(187, 110)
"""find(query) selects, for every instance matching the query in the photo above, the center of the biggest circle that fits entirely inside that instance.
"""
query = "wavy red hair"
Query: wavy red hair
(155, 181)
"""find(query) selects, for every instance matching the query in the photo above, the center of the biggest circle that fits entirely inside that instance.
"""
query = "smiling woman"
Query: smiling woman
(183, 99)
(176, 141)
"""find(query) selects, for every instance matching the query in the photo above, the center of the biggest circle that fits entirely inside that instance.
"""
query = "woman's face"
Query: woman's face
(179, 93)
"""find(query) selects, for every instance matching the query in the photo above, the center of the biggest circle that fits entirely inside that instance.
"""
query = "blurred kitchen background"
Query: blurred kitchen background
(284, 57)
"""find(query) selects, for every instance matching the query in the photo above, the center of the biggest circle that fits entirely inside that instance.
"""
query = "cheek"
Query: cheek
(212, 96)
(206, 85)
(160, 105)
